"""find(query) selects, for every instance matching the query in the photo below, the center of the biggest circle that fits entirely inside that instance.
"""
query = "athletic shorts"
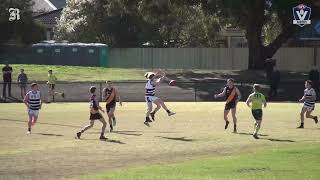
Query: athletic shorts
(22, 85)
(309, 108)
(51, 86)
(110, 107)
(34, 113)
(95, 116)
(230, 105)
(150, 99)
(257, 114)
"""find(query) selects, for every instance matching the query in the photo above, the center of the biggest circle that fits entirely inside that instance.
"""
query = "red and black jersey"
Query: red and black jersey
(231, 95)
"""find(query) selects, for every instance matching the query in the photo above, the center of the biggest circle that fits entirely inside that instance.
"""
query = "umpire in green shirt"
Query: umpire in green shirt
(51, 85)
(256, 99)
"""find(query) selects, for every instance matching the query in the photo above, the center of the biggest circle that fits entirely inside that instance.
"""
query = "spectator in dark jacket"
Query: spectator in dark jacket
(7, 79)
(22, 81)
(274, 83)
(314, 77)
(269, 65)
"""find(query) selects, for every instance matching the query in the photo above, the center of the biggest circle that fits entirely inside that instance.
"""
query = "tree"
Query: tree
(253, 15)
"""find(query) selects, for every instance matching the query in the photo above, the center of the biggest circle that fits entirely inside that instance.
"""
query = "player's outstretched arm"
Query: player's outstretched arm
(248, 101)
(223, 93)
(26, 99)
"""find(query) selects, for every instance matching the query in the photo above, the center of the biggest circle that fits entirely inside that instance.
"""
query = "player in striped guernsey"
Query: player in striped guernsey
(153, 79)
(233, 96)
(308, 100)
(33, 102)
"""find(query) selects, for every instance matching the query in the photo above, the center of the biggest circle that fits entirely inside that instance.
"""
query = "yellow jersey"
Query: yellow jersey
(52, 79)
(257, 100)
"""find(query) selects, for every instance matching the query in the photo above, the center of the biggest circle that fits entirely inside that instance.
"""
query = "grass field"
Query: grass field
(77, 73)
(80, 73)
(191, 145)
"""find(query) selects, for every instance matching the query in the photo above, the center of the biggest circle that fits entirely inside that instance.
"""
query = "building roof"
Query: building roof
(49, 18)
(43, 6)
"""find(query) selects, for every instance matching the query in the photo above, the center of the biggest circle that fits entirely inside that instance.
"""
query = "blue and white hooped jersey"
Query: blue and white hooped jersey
(309, 93)
(34, 100)
(150, 88)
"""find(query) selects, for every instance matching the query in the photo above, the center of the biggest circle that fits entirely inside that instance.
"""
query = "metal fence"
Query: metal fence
(289, 59)
(183, 92)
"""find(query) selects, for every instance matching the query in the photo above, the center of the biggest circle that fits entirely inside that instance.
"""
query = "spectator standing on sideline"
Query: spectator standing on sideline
(269, 64)
(22, 81)
(274, 82)
(314, 77)
(7, 79)
(51, 85)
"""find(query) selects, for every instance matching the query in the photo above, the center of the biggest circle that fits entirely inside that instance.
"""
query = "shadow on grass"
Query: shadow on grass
(270, 139)
(49, 134)
(129, 133)
(176, 139)
(53, 124)
(107, 140)
(126, 133)
(250, 134)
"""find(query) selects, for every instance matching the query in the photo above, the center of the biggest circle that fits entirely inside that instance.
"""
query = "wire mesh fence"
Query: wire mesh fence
(133, 91)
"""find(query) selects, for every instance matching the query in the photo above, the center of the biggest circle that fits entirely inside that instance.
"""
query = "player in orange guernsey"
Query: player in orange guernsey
(233, 95)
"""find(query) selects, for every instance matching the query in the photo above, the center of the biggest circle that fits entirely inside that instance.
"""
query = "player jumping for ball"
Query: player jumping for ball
(94, 115)
(111, 95)
(154, 79)
(257, 99)
(33, 102)
(233, 95)
(308, 100)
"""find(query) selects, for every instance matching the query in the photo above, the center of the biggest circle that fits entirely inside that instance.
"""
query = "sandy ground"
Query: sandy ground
(196, 131)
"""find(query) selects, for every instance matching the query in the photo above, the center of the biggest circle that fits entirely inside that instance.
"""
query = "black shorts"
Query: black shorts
(230, 105)
(257, 114)
(51, 86)
(95, 116)
(110, 106)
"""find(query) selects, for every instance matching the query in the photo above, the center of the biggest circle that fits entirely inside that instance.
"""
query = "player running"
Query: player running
(308, 100)
(111, 95)
(51, 85)
(233, 96)
(257, 99)
(33, 102)
(94, 115)
(154, 79)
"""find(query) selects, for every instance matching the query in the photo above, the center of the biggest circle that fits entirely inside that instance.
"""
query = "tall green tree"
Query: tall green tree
(256, 17)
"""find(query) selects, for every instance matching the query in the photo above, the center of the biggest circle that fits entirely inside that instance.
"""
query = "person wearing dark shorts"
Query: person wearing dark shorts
(233, 95)
(111, 95)
(22, 81)
(256, 99)
(94, 115)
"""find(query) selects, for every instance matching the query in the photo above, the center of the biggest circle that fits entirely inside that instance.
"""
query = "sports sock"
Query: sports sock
(29, 129)
(234, 126)
(168, 111)
(102, 134)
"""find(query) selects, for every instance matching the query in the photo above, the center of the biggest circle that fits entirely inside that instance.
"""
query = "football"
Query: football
(172, 83)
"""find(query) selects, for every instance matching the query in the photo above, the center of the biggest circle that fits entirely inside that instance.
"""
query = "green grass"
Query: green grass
(77, 73)
(294, 163)
(190, 145)
(80, 73)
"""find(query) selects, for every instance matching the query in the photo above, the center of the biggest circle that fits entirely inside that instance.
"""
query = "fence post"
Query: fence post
(100, 84)
(195, 91)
